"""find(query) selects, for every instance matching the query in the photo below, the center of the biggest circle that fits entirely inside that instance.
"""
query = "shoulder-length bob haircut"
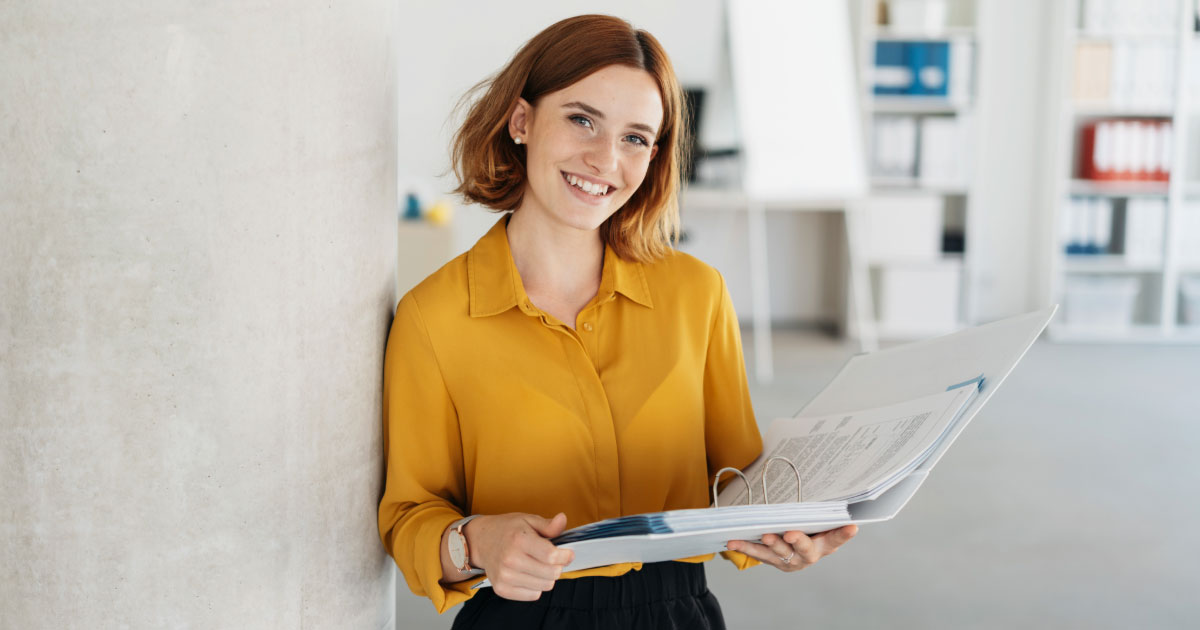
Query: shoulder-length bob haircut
(491, 168)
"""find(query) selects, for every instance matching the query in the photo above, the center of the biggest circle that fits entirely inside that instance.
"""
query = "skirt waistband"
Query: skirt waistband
(655, 582)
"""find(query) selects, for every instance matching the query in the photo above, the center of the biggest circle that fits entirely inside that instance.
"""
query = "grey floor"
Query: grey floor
(1072, 501)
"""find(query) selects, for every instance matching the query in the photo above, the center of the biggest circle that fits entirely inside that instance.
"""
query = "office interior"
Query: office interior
(209, 213)
(969, 207)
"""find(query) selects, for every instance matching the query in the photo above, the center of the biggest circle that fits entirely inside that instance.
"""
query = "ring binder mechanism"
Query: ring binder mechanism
(763, 477)
(857, 466)
(717, 480)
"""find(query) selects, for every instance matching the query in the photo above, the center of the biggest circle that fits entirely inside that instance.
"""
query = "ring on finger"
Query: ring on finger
(788, 560)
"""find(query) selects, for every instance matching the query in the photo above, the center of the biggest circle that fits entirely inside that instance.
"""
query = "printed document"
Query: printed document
(852, 456)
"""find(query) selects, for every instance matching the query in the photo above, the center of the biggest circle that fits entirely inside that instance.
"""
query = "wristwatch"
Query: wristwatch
(459, 554)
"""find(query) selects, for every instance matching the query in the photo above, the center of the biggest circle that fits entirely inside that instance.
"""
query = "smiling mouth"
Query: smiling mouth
(595, 190)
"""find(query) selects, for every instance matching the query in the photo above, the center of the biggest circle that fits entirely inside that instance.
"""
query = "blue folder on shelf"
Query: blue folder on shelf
(912, 68)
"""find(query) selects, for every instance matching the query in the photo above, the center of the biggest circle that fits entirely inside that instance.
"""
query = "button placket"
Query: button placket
(590, 336)
(600, 424)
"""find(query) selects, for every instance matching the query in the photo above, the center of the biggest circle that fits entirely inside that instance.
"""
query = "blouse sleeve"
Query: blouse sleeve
(424, 489)
(731, 433)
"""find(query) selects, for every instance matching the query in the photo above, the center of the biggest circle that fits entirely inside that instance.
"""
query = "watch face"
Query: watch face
(458, 550)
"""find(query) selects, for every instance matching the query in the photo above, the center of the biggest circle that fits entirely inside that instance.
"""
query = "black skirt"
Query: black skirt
(661, 595)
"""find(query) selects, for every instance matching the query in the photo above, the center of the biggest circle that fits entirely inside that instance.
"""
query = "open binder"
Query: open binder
(918, 396)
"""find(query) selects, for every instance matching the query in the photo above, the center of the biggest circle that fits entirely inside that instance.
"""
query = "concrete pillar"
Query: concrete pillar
(197, 241)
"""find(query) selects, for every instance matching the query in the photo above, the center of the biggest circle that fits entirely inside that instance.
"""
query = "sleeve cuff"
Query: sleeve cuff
(429, 562)
(740, 560)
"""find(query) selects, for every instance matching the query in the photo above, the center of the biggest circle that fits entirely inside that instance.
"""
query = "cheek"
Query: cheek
(545, 158)
(539, 167)
(635, 174)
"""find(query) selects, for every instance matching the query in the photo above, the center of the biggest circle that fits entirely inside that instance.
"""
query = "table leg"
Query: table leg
(863, 306)
(764, 371)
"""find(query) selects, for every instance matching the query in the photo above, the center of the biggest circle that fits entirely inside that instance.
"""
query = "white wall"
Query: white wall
(195, 294)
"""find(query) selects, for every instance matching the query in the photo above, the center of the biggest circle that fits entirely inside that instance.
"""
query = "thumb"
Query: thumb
(549, 528)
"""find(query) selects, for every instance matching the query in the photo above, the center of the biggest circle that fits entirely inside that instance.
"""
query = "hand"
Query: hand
(515, 551)
(794, 550)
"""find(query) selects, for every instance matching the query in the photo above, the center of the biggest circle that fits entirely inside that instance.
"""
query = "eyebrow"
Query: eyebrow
(599, 114)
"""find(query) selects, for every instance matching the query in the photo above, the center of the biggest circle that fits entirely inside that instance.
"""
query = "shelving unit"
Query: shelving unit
(1107, 296)
(920, 290)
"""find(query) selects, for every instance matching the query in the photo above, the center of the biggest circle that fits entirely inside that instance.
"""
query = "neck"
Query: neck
(555, 259)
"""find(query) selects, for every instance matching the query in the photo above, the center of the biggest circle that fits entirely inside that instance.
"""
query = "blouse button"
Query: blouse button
(587, 326)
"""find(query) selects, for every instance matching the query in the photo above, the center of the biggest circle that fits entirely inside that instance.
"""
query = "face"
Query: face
(588, 146)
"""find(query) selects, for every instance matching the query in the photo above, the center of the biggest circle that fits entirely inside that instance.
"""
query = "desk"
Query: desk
(732, 200)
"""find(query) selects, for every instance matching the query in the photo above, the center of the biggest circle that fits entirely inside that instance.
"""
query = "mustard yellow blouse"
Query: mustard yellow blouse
(493, 406)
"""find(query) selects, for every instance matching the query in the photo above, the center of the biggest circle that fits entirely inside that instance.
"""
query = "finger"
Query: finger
(521, 571)
(537, 569)
(762, 553)
(832, 539)
(836, 537)
(548, 528)
(807, 550)
(545, 552)
(780, 547)
(515, 593)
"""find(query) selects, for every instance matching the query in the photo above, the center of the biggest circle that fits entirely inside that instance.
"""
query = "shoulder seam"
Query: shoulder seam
(718, 306)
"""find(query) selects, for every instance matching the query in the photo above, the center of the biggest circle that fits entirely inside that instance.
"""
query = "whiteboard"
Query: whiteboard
(797, 104)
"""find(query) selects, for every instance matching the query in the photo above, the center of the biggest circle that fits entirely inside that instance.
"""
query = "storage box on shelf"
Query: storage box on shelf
(1121, 223)
(917, 299)
(1100, 302)
(903, 229)
(917, 79)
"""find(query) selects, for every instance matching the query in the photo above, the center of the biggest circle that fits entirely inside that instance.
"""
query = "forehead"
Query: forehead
(625, 95)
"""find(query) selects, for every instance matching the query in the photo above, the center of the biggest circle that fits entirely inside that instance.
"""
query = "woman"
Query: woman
(571, 366)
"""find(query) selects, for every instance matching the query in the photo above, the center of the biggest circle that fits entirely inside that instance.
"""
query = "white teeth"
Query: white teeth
(586, 186)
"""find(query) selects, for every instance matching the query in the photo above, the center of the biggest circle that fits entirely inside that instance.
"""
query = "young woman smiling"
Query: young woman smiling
(571, 366)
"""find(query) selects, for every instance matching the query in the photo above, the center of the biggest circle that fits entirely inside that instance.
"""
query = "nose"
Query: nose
(602, 155)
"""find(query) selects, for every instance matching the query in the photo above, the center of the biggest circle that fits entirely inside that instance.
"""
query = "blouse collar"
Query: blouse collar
(494, 285)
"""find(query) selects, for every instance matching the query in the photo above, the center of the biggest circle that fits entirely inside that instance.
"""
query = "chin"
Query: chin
(588, 217)
(584, 222)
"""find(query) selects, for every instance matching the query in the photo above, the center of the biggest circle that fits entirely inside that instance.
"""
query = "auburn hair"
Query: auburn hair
(491, 167)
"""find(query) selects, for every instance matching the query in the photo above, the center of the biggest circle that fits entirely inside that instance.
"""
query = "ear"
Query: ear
(653, 151)
(518, 122)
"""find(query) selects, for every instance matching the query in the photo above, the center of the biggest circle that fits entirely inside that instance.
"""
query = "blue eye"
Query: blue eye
(582, 121)
(638, 140)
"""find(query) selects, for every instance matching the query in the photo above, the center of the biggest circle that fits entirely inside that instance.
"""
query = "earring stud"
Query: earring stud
(516, 140)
